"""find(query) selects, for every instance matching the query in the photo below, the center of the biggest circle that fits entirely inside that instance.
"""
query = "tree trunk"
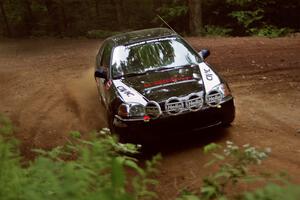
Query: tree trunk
(64, 17)
(118, 4)
(29, 19)
(56, 14)
(52, 14)
(195, 16)
(157, 4)
(5, 21)
(97, 8)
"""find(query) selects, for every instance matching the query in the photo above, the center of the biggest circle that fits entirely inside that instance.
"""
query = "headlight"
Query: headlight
(131, 110)
(223, 87)
(136, 110)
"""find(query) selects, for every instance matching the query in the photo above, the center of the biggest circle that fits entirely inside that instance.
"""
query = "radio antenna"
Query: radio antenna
(165, 23)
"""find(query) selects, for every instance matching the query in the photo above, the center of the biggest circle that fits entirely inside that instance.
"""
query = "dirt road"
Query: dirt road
(47, 89)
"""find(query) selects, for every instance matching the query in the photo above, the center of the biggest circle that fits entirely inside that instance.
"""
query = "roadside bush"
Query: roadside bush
(271, 31)
(211, 30)
(254, 17)
(247, 18)
(101, 168)
(233, 169)
(94, 169)
(274, 192)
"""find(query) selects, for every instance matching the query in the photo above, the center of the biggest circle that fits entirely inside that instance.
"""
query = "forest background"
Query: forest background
(101, 18)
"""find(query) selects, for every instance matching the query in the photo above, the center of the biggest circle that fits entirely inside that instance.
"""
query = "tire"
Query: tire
(227, 122)
(123, 135)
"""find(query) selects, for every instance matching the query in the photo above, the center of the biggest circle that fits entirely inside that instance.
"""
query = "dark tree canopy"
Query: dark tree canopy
(96, 18)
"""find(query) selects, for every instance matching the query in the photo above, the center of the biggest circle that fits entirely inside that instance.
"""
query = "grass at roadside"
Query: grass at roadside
(97, 169)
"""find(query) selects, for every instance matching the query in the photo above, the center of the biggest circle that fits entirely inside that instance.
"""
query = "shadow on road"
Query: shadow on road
(168, 143)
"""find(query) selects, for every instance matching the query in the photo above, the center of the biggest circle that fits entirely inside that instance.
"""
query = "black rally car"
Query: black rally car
(151, 80)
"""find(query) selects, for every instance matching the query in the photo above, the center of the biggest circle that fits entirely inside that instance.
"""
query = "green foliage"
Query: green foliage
(233, 168)
(98, 169)
(250, 12)
(230, 172)
(175, 13)
(274, 192)
(6, 127)
(172, 11)
(239, 2)
(253, 15)
(90, 18)
(80, 169)
(247, 18)
(211, 30)
(211, 147)
(141, 183)
(270, 31)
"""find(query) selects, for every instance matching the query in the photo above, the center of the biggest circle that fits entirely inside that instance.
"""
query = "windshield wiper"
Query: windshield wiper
(150, 70)
(170, 68)
(130, 74)
(187, 65)
(162, 69)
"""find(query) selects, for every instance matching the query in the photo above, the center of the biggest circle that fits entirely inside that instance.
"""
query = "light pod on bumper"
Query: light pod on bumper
(215, 97)
(153, 110)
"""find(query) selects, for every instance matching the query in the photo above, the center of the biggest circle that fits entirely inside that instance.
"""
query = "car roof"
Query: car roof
(140, 35)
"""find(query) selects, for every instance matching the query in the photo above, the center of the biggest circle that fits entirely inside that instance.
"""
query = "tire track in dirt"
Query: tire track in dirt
(44, 94)
(81, 97)
(45, 118)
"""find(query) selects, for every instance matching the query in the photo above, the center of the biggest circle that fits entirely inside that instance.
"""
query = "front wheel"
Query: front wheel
(227, 122)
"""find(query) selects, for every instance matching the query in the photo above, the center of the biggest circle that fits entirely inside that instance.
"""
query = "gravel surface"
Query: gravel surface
(47, 89)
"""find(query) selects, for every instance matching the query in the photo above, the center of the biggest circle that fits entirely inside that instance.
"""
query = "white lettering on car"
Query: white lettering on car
(208, 74)
(128, 93)
(125, 91)
(210, 78)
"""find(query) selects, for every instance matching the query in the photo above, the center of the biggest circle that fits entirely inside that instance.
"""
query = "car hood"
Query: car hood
(160, 86)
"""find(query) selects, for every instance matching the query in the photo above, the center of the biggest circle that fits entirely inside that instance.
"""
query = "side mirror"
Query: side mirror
(101, 73)
(204, 53)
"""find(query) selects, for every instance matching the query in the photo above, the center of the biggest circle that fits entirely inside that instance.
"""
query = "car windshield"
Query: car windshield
(152, 55)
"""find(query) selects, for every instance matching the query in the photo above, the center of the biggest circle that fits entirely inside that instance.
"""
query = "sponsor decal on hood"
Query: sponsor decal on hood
(128, 93)
(209, 77)
(166, 81)
(161, 85)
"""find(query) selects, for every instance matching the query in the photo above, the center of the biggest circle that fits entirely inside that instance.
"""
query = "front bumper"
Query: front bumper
(191, 121)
